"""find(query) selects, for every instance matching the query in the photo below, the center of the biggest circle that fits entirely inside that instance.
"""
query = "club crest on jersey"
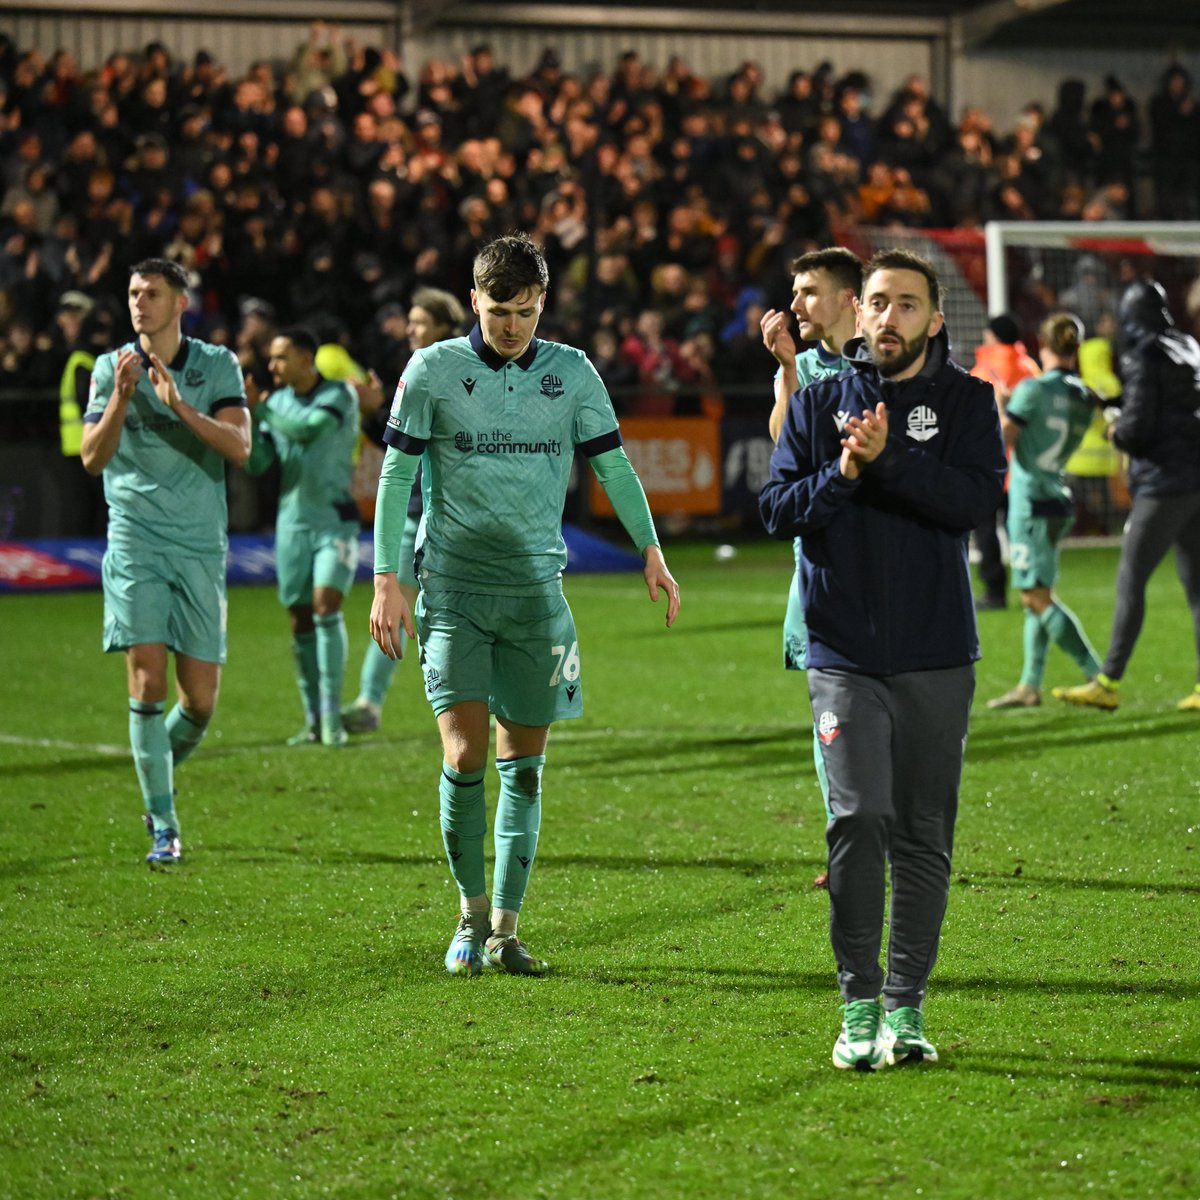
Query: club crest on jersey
(552, 386)
(433, 681)
(922, 424)
(192, 377)
(827, 727)
(464, 442)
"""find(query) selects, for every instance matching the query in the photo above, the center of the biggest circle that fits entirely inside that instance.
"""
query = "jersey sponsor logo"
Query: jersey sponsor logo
(500, 441)
(840, 418)
(192, 377)
(552, 386)
(468, 384)
(922, 424)
(827, 727)
(393, 421)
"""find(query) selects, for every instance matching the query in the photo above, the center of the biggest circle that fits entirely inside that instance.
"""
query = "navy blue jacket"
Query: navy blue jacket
(883, 569)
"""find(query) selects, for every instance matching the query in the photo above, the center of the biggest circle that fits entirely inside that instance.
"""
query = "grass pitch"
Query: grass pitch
(273, 1019)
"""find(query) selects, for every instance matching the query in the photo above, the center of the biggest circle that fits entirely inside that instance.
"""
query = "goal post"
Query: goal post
(1050, 251)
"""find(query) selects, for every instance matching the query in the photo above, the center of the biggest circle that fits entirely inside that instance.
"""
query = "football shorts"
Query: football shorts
(517, 654)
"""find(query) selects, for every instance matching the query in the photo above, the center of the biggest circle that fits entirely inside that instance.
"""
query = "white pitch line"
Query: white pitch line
(55, 744)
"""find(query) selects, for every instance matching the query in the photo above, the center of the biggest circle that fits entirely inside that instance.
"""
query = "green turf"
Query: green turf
(273, 1018)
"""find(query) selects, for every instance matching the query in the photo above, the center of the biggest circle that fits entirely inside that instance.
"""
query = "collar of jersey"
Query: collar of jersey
(176, 364)
(828, 358)
(494, 360)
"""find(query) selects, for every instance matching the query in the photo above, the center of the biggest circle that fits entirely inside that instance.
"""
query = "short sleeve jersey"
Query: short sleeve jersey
(1054, 411)
(165, 488)
(499, 438)
(314, 488)
(818, 363)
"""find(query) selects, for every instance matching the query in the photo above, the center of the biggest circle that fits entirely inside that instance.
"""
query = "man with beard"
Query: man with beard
(882, 472)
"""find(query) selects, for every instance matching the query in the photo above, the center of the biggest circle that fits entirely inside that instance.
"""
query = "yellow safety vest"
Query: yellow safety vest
(70, 416)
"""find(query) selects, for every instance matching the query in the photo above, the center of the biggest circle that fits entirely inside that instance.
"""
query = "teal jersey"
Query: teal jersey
(1054, 411)
(818, 363)
(498, 438)
(165, 488)
(315, 466)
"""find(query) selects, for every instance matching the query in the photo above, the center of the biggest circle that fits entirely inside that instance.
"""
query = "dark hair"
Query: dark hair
(441, 306)
(907, 260)
(844, 266)
(509, 265)
(1061, 333)
(175, 275)
(301, 337)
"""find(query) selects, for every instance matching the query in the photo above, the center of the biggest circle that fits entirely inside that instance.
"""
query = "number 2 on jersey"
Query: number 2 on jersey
(566, 664)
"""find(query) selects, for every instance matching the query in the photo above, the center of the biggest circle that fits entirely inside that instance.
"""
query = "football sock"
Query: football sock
(504, 921)
(1063, 626)
(464, 823)
(378, 671)
(1108, 681)
(185, 731)
(152, 760)
(308, 676)
(1037, 643)
(332, 650)
(518, 818)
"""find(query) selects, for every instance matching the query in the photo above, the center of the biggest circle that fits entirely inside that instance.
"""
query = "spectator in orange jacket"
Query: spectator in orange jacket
(1003, 362)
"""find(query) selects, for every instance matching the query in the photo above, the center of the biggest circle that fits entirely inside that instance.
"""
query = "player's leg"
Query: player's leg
(1062, 626)
(931, 711)
(1022, 557)
(795, 657)
(308, 673)
(1187, 563)
(294, 550)
(465, 730)
(198, 634)
(537, 680)
(334, 563)
(137, 608)
(456, 662)
(854, 728)
(378, 670)
(146, 668)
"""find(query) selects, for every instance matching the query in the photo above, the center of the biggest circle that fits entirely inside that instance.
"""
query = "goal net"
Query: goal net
(1035, 268)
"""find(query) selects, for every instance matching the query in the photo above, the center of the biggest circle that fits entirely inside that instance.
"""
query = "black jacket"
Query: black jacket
(883, 567)
(1159, 424)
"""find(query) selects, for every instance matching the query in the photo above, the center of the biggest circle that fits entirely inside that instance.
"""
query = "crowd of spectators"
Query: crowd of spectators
(327, 188)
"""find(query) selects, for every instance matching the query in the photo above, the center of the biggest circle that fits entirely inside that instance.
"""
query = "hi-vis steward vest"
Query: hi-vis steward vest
(70, 415)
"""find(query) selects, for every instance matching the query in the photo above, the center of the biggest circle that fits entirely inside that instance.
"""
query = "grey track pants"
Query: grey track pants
(1155, 524)
(893, 749)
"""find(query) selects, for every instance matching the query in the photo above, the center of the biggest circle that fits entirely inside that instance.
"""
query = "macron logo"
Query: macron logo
(469, 384)
(840, 419)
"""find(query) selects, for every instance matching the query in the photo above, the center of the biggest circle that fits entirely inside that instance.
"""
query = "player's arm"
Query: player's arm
(624, 489)
(801, 495)
(389, 609)
(102, 431)
(227, 431)
(778, 340)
